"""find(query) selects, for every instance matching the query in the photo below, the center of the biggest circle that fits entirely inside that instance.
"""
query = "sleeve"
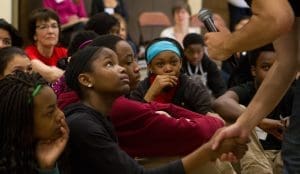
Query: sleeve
(51, 171)
(140, 91)
(31, 53)
(244, 93)
(214, 80)
(48, 4)
(139, 126)
(197, 97)
(81, 9)
(96, 147)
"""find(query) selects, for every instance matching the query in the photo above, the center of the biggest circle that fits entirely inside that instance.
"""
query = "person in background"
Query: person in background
(282, 17)
(166, 83)
(70, 12)
(199, 66)
(228, 106)
(93, 141)
(181, 13)
(13, 59)
(44, 31)
(72, 16)
(110, 7)
(103, 23)
(33, 130)
(9, 36)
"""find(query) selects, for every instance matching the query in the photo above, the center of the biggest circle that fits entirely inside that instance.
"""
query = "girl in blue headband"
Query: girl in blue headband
(165, 82)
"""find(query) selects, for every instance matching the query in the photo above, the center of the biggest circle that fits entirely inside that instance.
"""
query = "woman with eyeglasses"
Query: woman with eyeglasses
(9, 36)
(44, 30)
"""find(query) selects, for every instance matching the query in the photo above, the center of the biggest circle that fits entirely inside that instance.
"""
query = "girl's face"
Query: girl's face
(166, 63)
(128, 61)
(5, 39)
(194, 53)
(47, 115)
(107, 76)
(18, 62)
(47, 33)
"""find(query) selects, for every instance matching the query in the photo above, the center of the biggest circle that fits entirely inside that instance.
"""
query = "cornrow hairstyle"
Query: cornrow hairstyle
(109, 41)
(17, 144)
(7, 54)
(40, 14)
(101, 23)
(254, 54)
(177, 44)
(80, 62)
(13, 32)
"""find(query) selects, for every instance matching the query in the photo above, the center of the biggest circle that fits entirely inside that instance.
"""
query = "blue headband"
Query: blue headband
(159, 47)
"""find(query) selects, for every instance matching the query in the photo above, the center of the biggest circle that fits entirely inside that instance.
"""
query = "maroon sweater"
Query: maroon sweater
(144, 133)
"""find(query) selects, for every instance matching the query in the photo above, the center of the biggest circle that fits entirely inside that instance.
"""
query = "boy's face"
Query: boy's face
(263, 64)
(194, 53)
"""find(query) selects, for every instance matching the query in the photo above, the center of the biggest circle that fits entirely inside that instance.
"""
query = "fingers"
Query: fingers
(217, 139)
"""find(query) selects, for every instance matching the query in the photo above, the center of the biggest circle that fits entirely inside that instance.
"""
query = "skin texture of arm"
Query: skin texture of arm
(279, 76)
(50, 73)
(266, 13)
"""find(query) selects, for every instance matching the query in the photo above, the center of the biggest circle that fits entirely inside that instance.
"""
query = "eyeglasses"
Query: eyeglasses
(45, 26)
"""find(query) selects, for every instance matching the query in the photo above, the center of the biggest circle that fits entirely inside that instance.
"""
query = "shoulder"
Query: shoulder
(167, 32)
(31, 51)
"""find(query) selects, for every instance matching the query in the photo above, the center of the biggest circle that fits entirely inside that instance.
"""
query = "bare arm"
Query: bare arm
(268, 22)
(228, 106)
(50, 73)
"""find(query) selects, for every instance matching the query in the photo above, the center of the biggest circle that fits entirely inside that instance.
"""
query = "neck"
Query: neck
(182, 27)
(100, 103)
(45, 51)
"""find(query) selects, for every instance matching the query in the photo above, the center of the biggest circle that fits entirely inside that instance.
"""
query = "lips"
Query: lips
(125, 78)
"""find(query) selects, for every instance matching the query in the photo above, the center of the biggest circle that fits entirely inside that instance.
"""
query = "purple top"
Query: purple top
(66, 8)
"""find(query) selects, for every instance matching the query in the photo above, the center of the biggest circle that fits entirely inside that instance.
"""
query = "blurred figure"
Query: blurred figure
(9, 36)
(44, 32)
(181, 15)
(103, 23)
(110, 7)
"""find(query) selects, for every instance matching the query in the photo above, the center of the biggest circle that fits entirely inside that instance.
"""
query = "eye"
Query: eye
(174, 62)
(109, 64)
(160, 64)
(7, 42)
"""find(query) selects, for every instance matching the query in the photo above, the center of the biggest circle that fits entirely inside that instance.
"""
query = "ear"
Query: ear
(149, 68)
(86, 80)
(253, 71)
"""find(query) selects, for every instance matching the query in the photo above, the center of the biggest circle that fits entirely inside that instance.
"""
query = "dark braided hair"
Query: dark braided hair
(17, 144)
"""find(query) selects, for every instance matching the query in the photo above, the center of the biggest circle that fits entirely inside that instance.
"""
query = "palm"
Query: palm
(47, 152)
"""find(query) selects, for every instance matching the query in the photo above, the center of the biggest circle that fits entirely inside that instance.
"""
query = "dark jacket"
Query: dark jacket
(94, 149)
(191, 95)
(215, 81)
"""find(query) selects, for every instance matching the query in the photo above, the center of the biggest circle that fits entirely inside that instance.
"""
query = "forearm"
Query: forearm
(229, 109)
(266, 14)
(51, 74)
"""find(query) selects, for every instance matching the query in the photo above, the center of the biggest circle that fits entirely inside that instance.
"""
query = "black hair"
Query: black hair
(13, 32)
(254, 54)
(79, 39)
(17, 144)
(40, 14)
(101, 23)
(109, 41)
(192, 38)
(177, 44)
(181, 5)
(80, 62)
(7, 54)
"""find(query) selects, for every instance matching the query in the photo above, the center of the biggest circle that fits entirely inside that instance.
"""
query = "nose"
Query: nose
(167, 68)
(136, 68)
(120, 69)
